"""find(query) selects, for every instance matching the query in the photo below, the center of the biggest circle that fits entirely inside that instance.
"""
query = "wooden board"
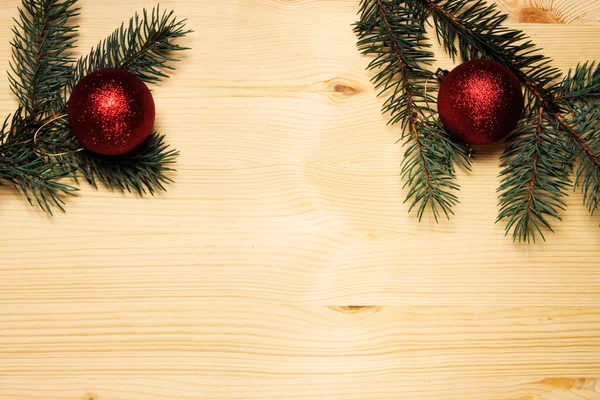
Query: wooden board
(283, 263)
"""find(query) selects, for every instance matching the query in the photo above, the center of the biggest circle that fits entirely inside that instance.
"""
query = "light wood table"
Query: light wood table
(283, 263)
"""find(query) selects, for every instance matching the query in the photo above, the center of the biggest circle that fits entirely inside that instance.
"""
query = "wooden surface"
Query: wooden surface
(283, 264)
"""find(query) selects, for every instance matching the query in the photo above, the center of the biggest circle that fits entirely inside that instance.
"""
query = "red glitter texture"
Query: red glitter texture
(111, 111)
(480, 102)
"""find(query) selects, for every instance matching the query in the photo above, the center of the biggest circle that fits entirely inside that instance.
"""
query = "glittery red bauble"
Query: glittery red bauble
(480, 102)
(111, 111)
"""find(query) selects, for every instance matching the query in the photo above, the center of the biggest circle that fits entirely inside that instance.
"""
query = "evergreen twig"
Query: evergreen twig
(578, 95)
(41, 64)
(36, 177)
(142, 171)
(41, 51)
(581, 86)
(144, 47)
(536, 169)
(393, 32)
(37, 148)
(561, 121)
(535, 176)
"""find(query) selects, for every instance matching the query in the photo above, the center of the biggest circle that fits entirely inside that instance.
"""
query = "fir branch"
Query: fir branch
(581, 86)
(578, 96)
(535, 177)
(144, 47)
(536, 163)
(561, 122)
(36, 178)
(393, 32)
(41, 51)
(38, 149)
(478, 29)
(34, 175)
(41, 65)
(142, 171)
(584, 139)
(428, 171)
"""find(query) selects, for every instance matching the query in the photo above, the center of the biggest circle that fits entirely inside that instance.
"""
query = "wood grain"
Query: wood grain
(188, 351)
(283, 263)
(551, 11)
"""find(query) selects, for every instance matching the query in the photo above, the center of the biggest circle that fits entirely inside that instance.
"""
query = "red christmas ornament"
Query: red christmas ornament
(480, 102)
(111, 111)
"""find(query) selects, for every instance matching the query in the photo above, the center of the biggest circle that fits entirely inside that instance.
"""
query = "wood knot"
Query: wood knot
(534, 15)
(89, 396)
(356, 309)
(566, 383)
(347, 90)
(340, 89)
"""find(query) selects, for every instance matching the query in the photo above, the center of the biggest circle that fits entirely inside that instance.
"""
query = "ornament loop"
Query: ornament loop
(439, 75)
(42, 127)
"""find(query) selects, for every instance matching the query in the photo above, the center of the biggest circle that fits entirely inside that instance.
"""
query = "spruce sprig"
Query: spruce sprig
(144, 47)
(585, 146)
(536, 168)
(535, 176)
(581, 86)
(578, 95)
(477, 28)
(39, 179)
(563, 130)
(37, 149)
(560, 124)
(41, 64)
(393, 33)
(42, 53)
(142, 171)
